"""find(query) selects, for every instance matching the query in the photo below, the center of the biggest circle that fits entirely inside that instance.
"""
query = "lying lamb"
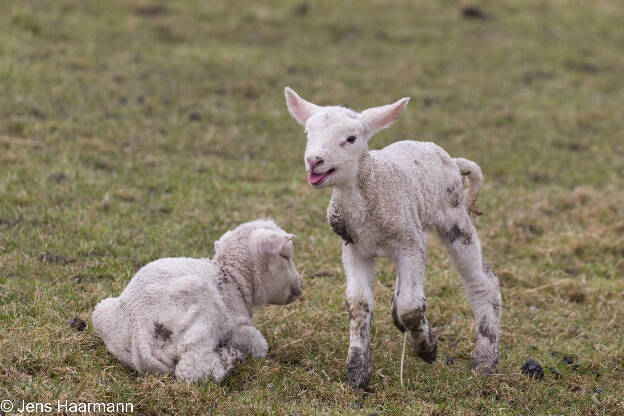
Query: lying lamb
(192, 317)
(383, 203)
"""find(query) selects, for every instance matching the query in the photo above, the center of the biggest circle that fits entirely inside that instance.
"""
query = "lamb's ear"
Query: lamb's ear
(378, 118)
(299, 108)
(269, 241)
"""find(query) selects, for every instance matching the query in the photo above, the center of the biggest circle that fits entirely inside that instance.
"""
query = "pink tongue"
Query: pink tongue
(314, 178)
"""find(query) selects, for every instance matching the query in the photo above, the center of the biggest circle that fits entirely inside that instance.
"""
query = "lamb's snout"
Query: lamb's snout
(295, 291)
(313, 162)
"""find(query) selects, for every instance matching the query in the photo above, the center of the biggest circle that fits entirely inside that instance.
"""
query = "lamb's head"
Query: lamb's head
(262, 253)
(338, 137)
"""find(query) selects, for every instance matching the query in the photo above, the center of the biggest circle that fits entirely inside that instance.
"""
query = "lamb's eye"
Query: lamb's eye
(284, 257)
(351, 139)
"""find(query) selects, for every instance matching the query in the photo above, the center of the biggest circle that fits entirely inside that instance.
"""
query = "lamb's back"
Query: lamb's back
(170, 304)
(160, 271)
(422, 161)
(169, 288)
(405, 183)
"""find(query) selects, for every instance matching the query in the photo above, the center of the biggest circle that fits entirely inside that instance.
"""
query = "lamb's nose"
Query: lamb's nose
(314, 162)
(296, 291)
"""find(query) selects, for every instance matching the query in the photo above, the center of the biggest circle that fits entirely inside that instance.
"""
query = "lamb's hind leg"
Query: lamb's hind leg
(360, 273)
(408, 301)
(481, 284)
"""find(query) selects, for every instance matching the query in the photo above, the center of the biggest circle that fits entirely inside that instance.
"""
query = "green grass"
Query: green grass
(101, 166)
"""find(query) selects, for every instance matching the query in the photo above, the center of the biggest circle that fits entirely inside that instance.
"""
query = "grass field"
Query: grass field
(133, 130)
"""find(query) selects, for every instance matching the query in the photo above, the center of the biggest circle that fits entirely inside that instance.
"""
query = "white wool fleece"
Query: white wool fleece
(193, 317)
(383, 204)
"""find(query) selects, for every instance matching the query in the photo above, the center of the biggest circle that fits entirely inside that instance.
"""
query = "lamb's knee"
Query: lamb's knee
(249, 340)
(490, 291)
(259, 348)
(457, 230)
(491, 277)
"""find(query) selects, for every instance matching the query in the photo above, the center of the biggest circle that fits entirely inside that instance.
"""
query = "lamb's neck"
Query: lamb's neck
(348, 202)
(239, 283)
(351, 194)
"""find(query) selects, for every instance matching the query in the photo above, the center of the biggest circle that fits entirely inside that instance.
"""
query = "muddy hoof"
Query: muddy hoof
(358, 378)
(485, 369)
(485, 357)
(426, 348)
(429, 355)
(358, 368)
(414, 320)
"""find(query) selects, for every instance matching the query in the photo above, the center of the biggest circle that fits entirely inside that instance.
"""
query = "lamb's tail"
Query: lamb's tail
(472, 171)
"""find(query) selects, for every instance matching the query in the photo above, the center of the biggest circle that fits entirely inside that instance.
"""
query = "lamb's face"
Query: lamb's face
(282, 281)
(337, 139)
(262, 252)
(277, 279)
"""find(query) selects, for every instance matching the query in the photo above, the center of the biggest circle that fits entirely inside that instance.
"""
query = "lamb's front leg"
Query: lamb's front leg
(408, 301)
(360, 273)
(249, 340)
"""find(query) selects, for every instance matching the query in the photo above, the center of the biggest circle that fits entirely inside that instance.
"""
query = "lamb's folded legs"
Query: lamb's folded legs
(203, 364)
(360, 274)
(249, 340)
(408, 302)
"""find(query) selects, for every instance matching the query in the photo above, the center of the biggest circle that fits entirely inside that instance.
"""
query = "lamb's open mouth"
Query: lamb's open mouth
(317, 178)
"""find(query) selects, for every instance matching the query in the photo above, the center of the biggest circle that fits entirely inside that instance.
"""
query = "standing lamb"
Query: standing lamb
(192, 317)
(383, 204)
